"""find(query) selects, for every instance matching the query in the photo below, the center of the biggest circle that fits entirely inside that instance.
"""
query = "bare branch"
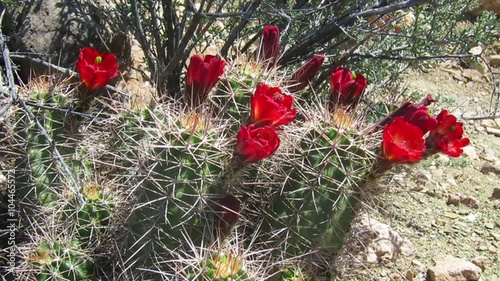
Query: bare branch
(176, 58)
(332, 29)
(141, 36)
(236, 31)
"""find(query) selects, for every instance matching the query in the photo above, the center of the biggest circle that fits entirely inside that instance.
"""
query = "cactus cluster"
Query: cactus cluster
(247, 181)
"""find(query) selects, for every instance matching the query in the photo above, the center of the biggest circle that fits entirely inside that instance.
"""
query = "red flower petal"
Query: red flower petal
(201, 77)
(346, 89)
(254, 144)
(447, 136)
(95, 74)
(269, 106)
(402, 142)
(301, 78)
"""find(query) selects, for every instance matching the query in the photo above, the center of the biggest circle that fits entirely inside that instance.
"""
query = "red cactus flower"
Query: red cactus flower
(96, 69)
(346, 87)
(420, 117)
(270, 46)
(227, 211)
(201, 77)
(271, 107)
(447, 136)
(402, 142)
(256, 143)
(301, 78)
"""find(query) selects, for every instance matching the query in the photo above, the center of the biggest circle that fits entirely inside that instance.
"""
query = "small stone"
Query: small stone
(480, 261)
(496, 193)
(479, 66)
(417, 263)
(437, 173)
(470, 152)
(449, 268)
(494, 60)
(451, 215)
(477, 50)
(470, 202)
(472, 75)
(457, 75)
(495, 235)
(470, 218)
(490, 123)
(453, 199)
(410, 276)
(441, 222)
(492, 249)
(489, 225)
(452, 181)
(442, 158)
(423, 177)
(380, 242)
(489, 168)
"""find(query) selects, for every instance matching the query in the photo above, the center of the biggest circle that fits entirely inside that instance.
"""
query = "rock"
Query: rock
(378, 242)
(418, 264)
(470, 218)
(481, 67)
(489, 225)
(423, 177)
(449, 268)
(490, 123)
(470, 152)
(451, 215)
(472, 75)
(489, 168)
(470, 202)
(496, 193)
(453, 199)
(494, 60)
(480, 261)
(477, 50)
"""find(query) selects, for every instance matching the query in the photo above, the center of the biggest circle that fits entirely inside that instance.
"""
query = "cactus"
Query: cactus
(58, 260)
(220, 267)
(56, 184)
(285, 174)
(318, 195)
(175, 197)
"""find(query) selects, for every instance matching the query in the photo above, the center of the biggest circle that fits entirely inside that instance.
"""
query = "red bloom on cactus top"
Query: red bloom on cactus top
(420, 117)
(402, 142)
(270, 47)
(447, 136)
(96, 69)
(201, 77)
(256, 143)
(346, 87)
(301, 78)
(271, 107)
